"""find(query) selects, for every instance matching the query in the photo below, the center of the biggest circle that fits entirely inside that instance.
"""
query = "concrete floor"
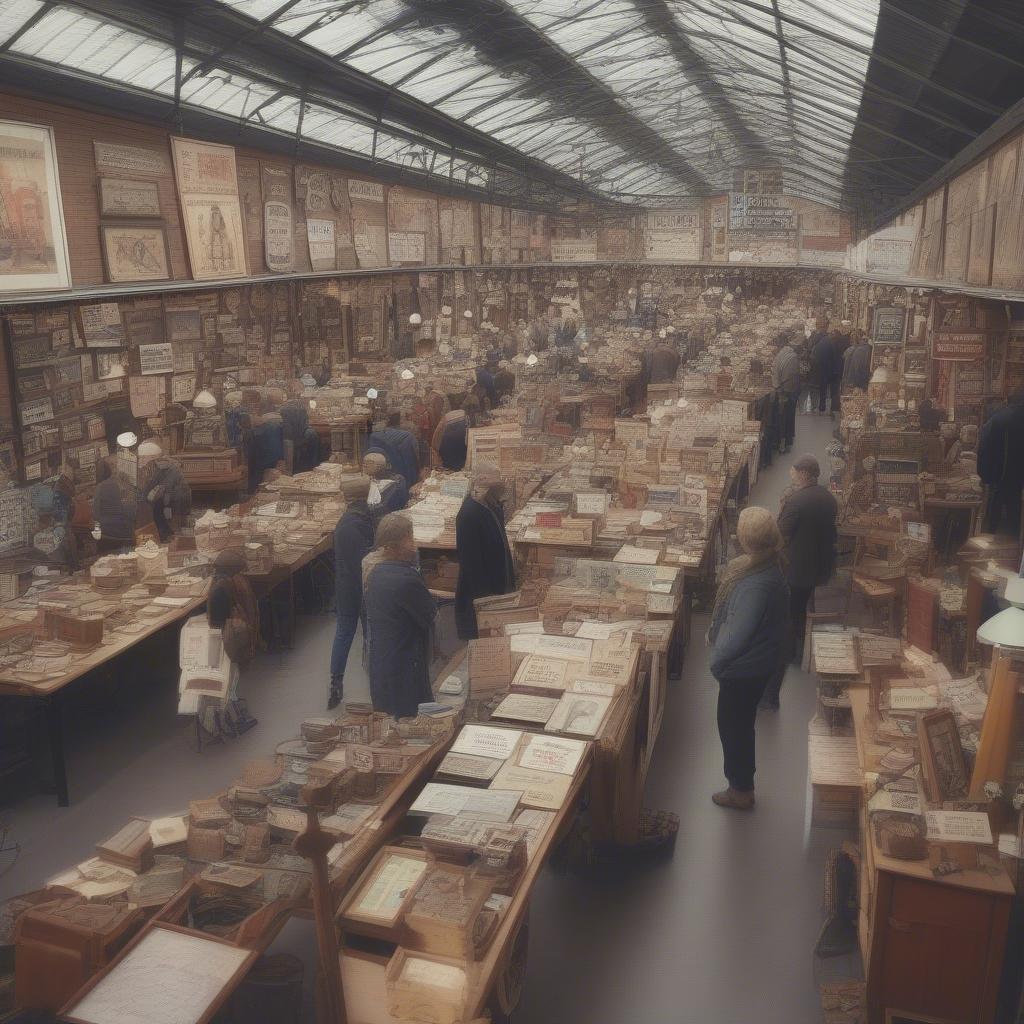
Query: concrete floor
(720, 934)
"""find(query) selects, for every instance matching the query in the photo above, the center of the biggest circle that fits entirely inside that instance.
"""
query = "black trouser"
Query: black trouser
(1003, 509)
(787, 428)
(835, 387)
(737, 712)
(800, 598)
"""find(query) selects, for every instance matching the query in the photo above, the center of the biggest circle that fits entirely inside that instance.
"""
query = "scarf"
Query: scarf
(739, 568)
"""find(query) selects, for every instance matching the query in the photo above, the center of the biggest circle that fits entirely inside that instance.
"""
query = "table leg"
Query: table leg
(55, 729)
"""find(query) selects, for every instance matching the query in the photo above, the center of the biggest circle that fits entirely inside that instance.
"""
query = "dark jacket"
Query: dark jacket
(504, 383)
(399, 448)
(168, 486)
(749, 634)
(294, 421)
(353, 538)
(485, 561)
(823, 356)
(399, 615)
(394, 495)
(115, 504)
(664, 364)
(1001, 447)
(452, 447)
(485, 380)
(857, 369)
(807, 523)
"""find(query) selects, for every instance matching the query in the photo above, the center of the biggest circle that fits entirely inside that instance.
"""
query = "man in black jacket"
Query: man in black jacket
(807, 523)
(485, 559)
(1001, 465)
(353, 538)
(823, 356)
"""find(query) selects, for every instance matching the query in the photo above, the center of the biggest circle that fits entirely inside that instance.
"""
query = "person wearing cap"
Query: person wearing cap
(353, 539)
(231, 607)
(748, 644)
(266, 450)
(485, 558)
(165, 488)
(807, 523)
(449, 442)
(823, 355)
(786, 381)
(400, 614)
(388, 492)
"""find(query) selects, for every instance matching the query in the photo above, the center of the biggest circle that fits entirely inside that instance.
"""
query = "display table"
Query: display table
(932, 947)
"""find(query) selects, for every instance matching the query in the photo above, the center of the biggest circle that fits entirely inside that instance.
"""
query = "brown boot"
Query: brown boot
(737, 799)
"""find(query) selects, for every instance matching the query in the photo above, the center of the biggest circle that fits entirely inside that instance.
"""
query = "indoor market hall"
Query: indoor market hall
(510, 512)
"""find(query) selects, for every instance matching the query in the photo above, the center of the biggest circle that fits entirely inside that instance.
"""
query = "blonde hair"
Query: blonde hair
(393, 529)
(757, 531)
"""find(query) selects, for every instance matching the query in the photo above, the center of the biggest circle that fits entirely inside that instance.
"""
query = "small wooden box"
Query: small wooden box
(131, 847)
(442, 916)
(424, 987)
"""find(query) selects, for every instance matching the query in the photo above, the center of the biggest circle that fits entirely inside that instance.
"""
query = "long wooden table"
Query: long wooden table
(51, 693)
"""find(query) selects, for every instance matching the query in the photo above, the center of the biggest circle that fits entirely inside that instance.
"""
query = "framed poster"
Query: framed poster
(33, 242)
(124, 197)
(210, 207)
(887, 325)
(135, 252)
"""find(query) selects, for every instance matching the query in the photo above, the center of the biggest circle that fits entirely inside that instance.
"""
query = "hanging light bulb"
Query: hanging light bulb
(415, 319)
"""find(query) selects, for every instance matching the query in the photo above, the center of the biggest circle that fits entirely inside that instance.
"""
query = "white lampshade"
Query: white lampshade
(407, 374)
(663, 333)
(127, 440)
(446, 311)
(312, 403)
(531, 359)
(371, 393)
(204, 400)
(1007, 628)
(415, 319)
(468, 314)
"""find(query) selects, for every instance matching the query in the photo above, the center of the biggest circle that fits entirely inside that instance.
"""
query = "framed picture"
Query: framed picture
(123, 197)
(135, 252)
(375, 904)
(205, 971)
(33, 249)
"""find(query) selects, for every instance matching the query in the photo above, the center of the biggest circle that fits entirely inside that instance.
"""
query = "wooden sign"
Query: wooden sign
(887, 325)
(966, 346)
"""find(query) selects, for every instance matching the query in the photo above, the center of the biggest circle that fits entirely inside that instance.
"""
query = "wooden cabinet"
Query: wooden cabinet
(936, 950)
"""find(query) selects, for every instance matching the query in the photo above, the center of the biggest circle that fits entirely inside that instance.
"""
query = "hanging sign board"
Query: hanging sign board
(887, 325)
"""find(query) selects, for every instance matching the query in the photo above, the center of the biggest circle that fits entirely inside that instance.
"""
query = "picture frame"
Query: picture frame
(35, 258)
(209, 969)
(128, 197)
(134, 251)
(375, 904)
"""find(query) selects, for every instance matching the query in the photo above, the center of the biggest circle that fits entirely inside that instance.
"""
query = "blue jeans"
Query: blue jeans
(343, 637)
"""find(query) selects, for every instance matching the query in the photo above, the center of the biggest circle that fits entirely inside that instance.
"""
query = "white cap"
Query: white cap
(415, 319)
(204, 400)
(150, 450)
(127, 440)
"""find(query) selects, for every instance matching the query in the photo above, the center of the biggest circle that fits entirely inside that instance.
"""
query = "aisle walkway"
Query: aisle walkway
(723, 932)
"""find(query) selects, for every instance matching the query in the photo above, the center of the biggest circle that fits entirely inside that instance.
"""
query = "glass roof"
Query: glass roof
(638, 99)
